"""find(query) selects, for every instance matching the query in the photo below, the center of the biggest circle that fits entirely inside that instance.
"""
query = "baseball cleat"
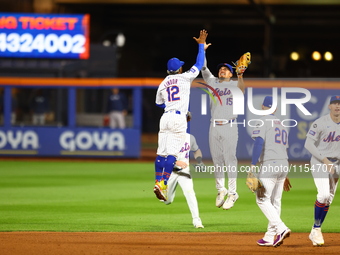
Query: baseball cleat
(199, 226)
(220, 197)
(229, 203)
(316, 237)
(198, 223)
(280, 237)
(160, 191)
(262, 242)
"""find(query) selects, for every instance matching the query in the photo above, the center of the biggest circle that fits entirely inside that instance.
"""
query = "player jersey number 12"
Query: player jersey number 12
(172, 92)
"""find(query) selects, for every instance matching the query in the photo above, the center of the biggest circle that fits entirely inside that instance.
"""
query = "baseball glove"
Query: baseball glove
(189, 116)
(253, 183)
(286, 185)
(241, 65)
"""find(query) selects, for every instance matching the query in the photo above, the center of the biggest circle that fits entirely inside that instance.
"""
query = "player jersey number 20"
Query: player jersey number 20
(281, 136)
(172, 93)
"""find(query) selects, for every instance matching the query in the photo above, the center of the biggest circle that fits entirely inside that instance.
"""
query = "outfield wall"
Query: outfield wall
(71, 140)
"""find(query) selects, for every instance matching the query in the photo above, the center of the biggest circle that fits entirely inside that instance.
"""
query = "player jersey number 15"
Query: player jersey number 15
(229, 101)
(172, 93)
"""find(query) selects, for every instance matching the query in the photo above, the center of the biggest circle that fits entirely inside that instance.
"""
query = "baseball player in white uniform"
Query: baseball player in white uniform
(182, 177)
(223, 136)
(173, 95)
(270, 149)
(323, 142)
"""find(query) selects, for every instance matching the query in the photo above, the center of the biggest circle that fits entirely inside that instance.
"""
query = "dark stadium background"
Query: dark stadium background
(158, 30)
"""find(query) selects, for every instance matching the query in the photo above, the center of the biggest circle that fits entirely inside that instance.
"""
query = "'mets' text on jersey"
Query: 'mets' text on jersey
(326, 134)
(219, 110)
(275, 137)
(189, 145)
(185, 150)
(224, 110)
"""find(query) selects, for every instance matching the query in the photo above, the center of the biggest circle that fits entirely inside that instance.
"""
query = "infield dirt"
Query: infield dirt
(143, 243)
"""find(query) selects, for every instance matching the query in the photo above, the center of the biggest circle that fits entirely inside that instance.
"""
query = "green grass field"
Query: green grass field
(115, 196)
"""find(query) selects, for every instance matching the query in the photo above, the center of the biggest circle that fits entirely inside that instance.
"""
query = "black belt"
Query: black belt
(332, 159)
(179, 172)
(220, 123)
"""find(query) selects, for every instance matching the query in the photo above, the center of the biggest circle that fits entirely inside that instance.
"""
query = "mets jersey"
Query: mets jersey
(275, 137)
(174, 90)
(189, 145)
(326, 134)
(218, 110)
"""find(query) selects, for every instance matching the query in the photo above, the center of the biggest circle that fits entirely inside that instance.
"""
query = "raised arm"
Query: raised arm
(241, 67)
(201, 44)
(240, 82)
(206, 74)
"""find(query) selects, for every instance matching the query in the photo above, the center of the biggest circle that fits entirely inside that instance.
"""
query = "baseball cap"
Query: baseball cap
(334, 98)
(174, 64)
(268, 101)
(226, 65)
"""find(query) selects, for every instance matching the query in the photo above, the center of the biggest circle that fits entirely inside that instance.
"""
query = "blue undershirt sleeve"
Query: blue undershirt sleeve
(258, 145)
(161, 105)
(200, 56)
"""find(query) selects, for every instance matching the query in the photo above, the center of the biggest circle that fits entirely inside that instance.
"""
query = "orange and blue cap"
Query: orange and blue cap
(268, 101)
(226, 65)
(334, 99)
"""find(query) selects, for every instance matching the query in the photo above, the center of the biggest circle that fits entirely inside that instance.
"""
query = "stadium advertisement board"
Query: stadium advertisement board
(47, 141)
(27, 35)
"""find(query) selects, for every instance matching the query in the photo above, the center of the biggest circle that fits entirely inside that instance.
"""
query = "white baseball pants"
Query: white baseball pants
(223, 142)
(187, 186)
(325, 185)
(172, 133)
(270, 203)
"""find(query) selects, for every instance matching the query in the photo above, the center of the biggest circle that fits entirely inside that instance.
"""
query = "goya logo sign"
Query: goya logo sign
(19, 139)
(44, 36)
(85, 140)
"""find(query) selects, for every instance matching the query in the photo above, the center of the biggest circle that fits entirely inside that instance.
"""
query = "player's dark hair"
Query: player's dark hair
(173, 72)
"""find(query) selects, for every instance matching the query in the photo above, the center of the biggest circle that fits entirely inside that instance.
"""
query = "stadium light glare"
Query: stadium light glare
(328, 56)
(316, 56)
(294, 56)
(120, 40)
(106, 43)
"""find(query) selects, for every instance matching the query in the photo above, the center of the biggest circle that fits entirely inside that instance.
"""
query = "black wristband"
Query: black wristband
(199, 160)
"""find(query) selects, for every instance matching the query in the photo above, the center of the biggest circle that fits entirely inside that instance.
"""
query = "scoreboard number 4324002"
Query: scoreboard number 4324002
(44, 36)
(41, 43)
